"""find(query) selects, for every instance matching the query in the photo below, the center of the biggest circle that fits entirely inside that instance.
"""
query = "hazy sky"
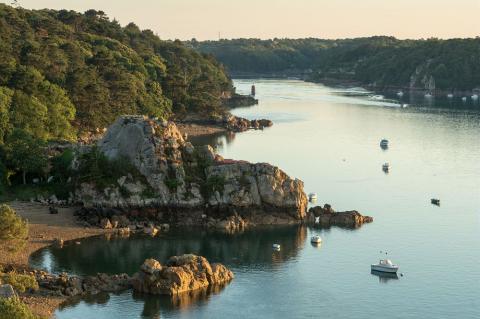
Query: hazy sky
(206, 19)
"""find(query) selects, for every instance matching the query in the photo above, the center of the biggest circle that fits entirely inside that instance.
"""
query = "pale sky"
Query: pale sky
(206, 19)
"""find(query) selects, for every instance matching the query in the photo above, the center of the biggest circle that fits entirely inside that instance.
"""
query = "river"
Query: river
(329, 138)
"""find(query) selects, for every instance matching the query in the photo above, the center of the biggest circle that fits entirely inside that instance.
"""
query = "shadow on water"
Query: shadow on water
(384, 277)
(152, 306)
(111, 254)
(218, 139)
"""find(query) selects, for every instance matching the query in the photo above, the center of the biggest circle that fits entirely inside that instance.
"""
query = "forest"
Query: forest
(63, 73)
(452, 64)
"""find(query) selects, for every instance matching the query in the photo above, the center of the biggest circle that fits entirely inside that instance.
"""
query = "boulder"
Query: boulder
(105, 223)
(7, 291)
(181, 274)
(327, 217)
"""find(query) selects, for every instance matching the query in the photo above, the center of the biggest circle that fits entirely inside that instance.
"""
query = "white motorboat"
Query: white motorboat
(475, 97)
(450, 95)
(385, 265)
(378, 97)
(276, 247)
(316, 239)
(312, 197)
(399, 93)
(428, 95)
(464, 99)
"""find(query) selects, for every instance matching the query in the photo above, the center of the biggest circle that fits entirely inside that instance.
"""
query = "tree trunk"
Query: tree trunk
(24, 175)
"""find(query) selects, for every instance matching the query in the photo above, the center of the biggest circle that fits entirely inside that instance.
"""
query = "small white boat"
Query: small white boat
(404, 105)
(312, 197)
(316, 239)
(399, 93)
(385, 265)
(450, 95)
(378, 97)
(384, 143)
(464, 99)
(276, 247)
(475, 97)
(428, 95)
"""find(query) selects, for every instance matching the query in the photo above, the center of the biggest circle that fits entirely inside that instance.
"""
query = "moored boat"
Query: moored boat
(384, 143)
(385, 265)
(386, 167)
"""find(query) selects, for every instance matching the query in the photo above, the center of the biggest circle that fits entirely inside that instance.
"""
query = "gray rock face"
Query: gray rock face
(7, 291)
(183, 176)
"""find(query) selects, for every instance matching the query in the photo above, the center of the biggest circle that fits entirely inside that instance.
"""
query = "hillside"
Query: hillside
(63, 71)
(380, 61)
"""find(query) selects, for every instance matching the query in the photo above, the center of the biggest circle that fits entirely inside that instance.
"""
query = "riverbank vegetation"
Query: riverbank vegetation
(13, 229)
(452, 64)
(64, 73)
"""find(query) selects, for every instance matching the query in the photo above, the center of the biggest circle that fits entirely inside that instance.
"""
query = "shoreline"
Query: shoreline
(195, 130)
(44, 228)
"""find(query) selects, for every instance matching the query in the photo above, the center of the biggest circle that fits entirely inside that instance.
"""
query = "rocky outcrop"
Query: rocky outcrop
(180, 274)
(65, 285)
(240, 124)
(7, 291)
(327, 217)
(238, 100)
(180, 177)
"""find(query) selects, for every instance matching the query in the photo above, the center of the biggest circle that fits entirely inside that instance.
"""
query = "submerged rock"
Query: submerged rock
(180, 274)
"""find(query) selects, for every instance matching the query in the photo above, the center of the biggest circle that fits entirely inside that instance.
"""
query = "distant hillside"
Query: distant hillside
(61, 71)
(381, 61)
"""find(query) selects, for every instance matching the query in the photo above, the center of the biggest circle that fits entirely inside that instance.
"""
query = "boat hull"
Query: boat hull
(380, 268)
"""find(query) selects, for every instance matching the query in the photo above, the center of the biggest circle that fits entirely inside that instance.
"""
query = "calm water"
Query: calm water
(330, 141)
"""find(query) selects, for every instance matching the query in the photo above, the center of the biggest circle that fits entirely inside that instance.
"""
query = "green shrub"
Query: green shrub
(97, 168)
(13, 229)
(13, 308)
(213, 184)
(20, 283)
(172, 184)
(62, 166)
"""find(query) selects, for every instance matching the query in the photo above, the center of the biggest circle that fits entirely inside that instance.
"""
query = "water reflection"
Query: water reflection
(124, 255)
(220, 139)
(384, 277)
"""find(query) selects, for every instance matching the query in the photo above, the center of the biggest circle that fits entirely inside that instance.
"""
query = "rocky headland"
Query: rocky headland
(186, 185)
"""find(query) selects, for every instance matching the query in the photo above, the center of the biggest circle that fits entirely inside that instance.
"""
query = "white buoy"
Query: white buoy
(316, 239)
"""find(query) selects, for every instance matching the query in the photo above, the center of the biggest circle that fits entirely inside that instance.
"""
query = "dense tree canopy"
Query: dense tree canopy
(384, 61)
(71, 71)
